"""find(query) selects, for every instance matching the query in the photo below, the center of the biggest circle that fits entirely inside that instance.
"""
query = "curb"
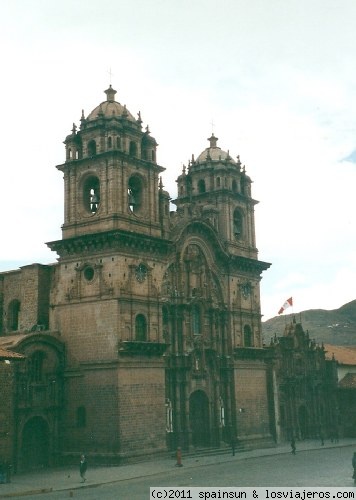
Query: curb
(27, 493)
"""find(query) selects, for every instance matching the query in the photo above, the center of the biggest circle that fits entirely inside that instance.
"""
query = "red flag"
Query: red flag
(288, 303)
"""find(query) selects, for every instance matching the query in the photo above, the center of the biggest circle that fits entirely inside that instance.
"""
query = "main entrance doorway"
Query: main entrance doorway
(35, 444)
(199, 418)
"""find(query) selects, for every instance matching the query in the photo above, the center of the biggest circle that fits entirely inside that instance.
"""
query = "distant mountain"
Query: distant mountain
(337, 326)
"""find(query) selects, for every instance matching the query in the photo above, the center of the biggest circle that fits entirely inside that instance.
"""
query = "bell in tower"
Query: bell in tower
(94, 201)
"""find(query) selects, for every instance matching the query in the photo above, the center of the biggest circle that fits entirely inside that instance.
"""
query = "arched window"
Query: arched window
(238, 224)
(153, 156)
(91, 148)
(81, 416)
(141, 328)
(234, 186)
(218, 182)
(201, 186)
(79, 148)
(91, 194)
(36, 366)
(109, 142)
(133, 148)
(134, 192)
(118, 142)
(247, 336)
(13, 315)
(196, 320)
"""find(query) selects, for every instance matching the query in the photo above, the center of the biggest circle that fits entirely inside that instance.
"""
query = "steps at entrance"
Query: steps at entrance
(205, 452)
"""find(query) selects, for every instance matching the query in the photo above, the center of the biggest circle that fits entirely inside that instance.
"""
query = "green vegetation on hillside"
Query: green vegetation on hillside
(337, 326)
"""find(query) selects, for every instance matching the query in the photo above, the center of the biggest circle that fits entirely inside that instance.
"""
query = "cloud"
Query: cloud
(276, 78)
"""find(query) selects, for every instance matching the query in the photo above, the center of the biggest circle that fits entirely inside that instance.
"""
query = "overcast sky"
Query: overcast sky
(277, 79)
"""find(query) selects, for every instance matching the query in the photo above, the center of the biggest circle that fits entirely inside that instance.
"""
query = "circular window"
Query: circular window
(89, 273)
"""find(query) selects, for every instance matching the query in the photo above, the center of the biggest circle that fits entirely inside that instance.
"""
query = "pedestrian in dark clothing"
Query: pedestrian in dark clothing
(8, 468)
(292, 444)
(83, 467)
(322, 439)
(233, 446)
(2, 472)
(354, 467)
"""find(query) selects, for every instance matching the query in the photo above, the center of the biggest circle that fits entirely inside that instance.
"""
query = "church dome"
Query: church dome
(214, 153)
(110, 108)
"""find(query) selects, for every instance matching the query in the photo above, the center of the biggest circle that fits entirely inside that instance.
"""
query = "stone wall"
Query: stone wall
(252, 413)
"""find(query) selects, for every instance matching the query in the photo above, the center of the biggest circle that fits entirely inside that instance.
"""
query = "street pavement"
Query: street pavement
(68, 479)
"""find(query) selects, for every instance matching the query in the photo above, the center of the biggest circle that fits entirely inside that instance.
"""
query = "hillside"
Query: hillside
(337, 326)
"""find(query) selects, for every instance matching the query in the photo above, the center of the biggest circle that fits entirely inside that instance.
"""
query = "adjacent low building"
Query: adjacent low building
(346, 374)
(303, 387)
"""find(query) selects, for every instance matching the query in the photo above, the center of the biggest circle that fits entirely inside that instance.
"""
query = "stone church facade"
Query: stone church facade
(145, 334)
(304, 386)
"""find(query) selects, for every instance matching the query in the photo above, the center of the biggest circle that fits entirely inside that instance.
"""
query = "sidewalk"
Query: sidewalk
(67, 478)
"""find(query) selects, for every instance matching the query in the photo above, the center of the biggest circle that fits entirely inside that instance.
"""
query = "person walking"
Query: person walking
(322, 439)
(83, 467)
(292, 444)
(354, 467)
(233, 445)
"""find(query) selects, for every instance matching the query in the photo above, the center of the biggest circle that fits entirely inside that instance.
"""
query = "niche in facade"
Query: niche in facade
(140, 328)
(247, 336)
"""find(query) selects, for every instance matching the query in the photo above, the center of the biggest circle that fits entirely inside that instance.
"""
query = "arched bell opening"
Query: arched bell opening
(135, 193)
(238, 224)
(201, 186)
(91, 194)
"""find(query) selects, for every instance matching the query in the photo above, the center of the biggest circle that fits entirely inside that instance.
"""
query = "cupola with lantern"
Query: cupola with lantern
(111, 175)
(216, 187)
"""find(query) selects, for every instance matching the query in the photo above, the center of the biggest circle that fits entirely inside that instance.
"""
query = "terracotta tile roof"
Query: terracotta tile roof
(9, 341)
(5, 354)
(348, 382)
(345, 355)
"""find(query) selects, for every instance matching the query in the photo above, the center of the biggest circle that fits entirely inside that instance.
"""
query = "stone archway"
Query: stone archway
(199, 418)
(35, 444)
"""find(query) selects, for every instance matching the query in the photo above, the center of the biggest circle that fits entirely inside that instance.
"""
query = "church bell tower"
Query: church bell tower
(111, 176)
(216, 187)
